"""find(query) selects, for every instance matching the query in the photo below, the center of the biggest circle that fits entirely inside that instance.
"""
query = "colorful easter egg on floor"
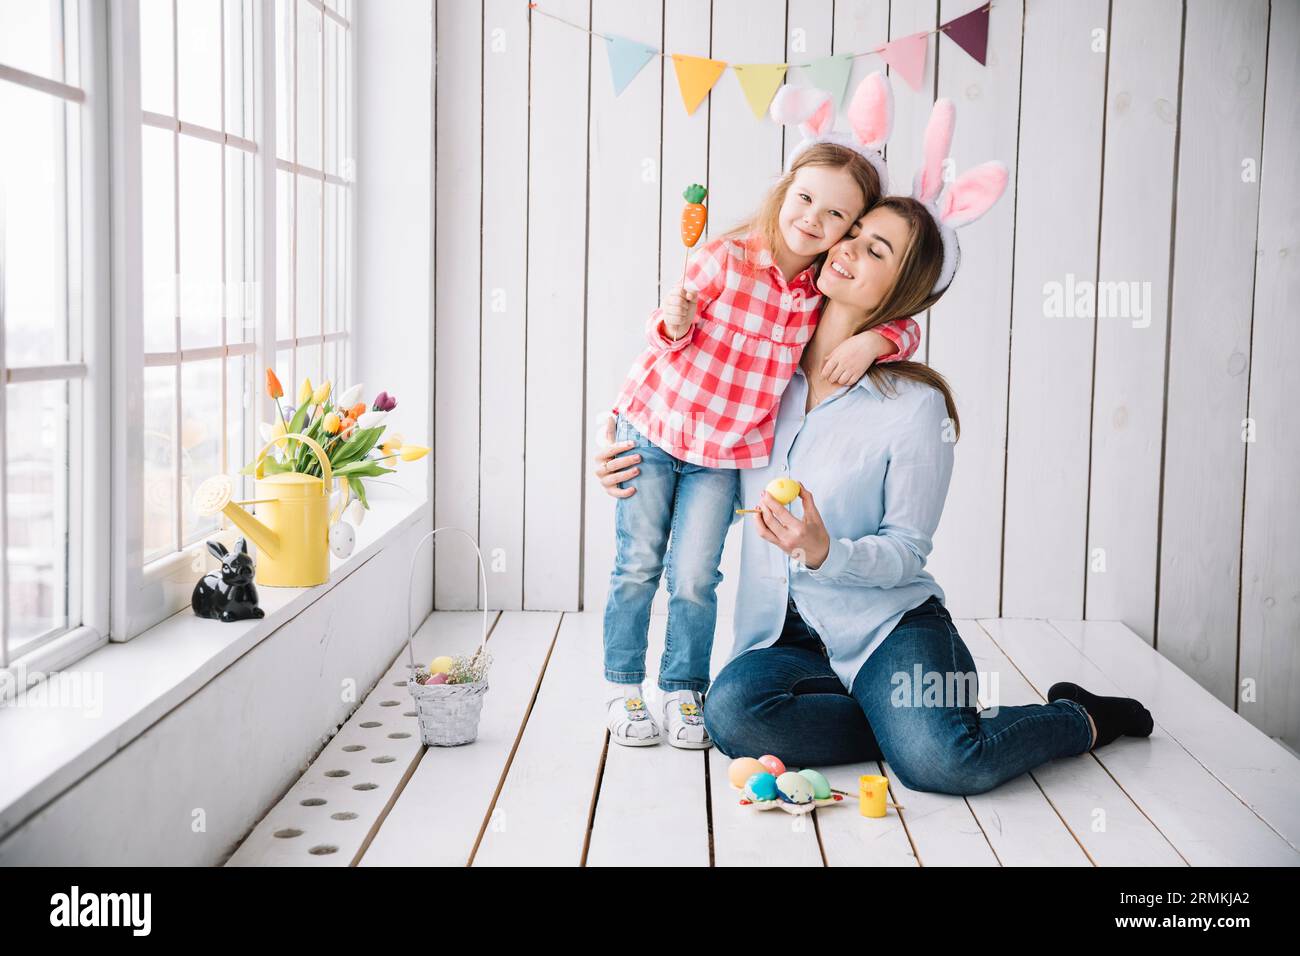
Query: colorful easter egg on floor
(793, 788)
(440, 665)
(773, 764)
(741, 769)
(821, 786)
(761, 787)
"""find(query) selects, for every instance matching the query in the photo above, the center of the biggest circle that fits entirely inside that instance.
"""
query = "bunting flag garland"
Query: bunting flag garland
(697, 75)
(831, 73)
(759, 81)
(970, 31)
(907, 57)
(626, 58)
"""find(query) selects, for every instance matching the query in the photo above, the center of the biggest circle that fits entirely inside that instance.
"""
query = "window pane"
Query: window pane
(289, 377)
(242, 389)
(157, 87)
(284, 248)
(309, 256)
(202, 415)
(334, 40)
(31, 36)
(309, 85)
(32, 179)
(37, 499)
(239, 68)
(198, 61)
(310, 366)
(241, 303)
(200, 232)
(333, 252)
(159, 461)
(284, 91)
(158, 239)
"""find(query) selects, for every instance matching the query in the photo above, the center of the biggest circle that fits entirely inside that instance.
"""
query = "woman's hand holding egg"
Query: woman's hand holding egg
(805, 539)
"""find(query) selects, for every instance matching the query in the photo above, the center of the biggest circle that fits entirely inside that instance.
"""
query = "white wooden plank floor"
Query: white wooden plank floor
(542, 786)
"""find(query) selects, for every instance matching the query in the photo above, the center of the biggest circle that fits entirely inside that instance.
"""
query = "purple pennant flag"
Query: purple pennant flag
(970, 31)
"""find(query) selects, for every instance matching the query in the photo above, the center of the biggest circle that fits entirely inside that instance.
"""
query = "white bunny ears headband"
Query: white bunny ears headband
(871, 118)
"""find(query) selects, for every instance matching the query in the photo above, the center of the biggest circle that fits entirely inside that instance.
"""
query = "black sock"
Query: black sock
(1113, 716)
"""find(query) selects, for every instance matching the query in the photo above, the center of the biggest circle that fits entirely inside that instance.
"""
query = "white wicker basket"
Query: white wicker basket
(448, 713)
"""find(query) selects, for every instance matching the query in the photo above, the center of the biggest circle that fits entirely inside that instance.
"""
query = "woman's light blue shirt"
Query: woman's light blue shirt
(878, 467)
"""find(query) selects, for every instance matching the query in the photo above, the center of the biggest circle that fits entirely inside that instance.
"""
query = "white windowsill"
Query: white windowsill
(46, 749)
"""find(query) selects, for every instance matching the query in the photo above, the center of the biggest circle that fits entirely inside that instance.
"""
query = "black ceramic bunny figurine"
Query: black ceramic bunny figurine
(230, 593)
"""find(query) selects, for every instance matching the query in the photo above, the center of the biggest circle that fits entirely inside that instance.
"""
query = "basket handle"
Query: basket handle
(410, 587)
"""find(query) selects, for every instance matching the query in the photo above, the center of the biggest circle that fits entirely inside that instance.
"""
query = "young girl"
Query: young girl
(699, 402)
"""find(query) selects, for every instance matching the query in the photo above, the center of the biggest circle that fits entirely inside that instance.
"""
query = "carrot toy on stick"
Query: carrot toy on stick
(694, 216)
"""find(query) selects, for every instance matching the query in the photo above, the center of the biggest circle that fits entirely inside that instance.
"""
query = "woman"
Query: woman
(844, 651)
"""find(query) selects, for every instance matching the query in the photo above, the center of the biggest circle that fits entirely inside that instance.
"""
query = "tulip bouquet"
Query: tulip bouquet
(351, 433)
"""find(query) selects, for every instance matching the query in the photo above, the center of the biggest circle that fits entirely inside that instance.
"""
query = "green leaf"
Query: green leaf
(300, 416)
(367, 469)
(357, 446)
(359, 489)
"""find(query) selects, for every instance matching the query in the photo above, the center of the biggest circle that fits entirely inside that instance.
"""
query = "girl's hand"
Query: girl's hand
(806, 540)
(611, 469)
(678, 311)
(850, 360)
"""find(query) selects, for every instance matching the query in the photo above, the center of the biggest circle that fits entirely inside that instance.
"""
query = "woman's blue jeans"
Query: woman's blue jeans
(786, 700)
(677, 521)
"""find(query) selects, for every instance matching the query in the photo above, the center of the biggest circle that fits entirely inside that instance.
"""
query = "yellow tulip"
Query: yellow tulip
(304, 393)
(331, 423)
(391, 445)
(318, 397)
(413, 452)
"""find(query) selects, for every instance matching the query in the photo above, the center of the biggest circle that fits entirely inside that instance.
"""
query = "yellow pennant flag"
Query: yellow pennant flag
(759, 82)
(696, 76)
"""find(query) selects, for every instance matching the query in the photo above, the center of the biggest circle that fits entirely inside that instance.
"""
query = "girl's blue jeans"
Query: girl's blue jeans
(785, 700)
(676, 522)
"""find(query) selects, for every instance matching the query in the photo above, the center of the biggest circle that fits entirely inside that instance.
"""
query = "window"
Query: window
(53, 353)
(197, 88)
(313, 190)
(243, 253)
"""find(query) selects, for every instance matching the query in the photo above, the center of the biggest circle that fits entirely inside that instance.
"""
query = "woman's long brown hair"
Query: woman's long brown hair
(910, 295)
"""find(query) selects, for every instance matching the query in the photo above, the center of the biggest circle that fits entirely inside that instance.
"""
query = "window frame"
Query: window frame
(88, 379)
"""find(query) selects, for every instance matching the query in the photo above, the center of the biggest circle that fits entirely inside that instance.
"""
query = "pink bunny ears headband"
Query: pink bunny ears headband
(870, 115)
(871, 119)
(967, 198)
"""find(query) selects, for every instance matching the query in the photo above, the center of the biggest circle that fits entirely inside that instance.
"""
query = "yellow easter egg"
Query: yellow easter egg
(784, 490)
(440, 665)
(741, 769)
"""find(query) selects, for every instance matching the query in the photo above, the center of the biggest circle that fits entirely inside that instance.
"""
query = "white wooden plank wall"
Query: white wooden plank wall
(1105, 470)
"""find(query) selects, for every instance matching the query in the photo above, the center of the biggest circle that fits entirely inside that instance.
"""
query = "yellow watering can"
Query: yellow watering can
(293, 542)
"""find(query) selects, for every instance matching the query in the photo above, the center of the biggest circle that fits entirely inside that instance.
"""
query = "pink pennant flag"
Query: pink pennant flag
(970, 31)
(907, 56)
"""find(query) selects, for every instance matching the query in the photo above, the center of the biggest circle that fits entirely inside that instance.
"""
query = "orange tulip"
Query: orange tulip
(273, 386)
(357, 410)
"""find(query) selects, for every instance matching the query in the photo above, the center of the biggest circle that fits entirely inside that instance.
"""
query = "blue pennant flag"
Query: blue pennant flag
(626, 58)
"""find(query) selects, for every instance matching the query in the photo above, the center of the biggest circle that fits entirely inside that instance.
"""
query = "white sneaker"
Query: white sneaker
(683, 719)
(629, 721)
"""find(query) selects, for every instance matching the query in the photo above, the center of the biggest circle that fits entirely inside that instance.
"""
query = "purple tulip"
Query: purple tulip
(384, 402)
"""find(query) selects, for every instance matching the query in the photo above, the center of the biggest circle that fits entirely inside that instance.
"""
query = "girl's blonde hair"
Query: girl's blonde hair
(766, 219)
(910, 295)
